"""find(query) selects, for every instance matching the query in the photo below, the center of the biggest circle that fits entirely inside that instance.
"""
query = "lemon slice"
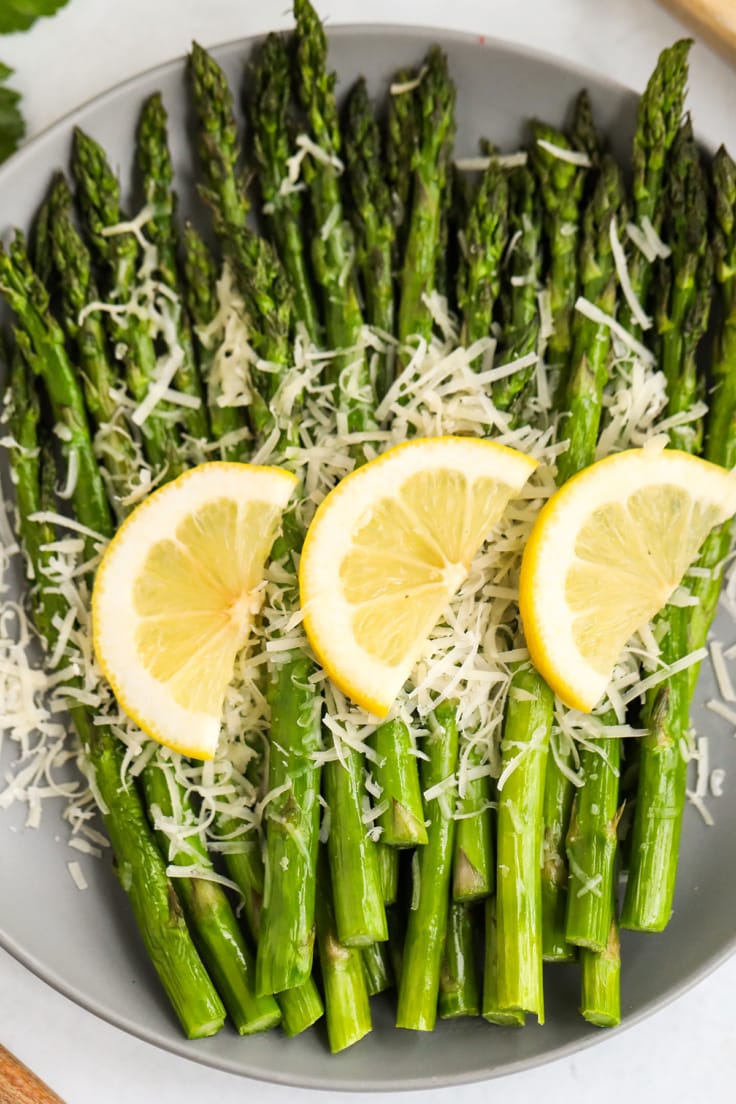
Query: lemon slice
(604, 556)
(387, 549)
(176, 593)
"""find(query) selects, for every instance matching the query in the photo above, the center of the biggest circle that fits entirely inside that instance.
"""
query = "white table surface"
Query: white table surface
(682, 1053)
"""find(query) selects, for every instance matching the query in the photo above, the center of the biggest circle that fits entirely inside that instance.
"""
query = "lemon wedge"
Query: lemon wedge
(604, 556)
(176, 593)
(387, 549)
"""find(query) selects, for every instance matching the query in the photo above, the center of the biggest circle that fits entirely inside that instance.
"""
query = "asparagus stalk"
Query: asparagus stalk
(224, 188)
(332, 244)
(720, 437)
(27, 297)
(519, 310)
(377, 968)
(561, 189)
(200, 295)
(140, 869)
(524, 752)
(435, 120)
(354, 866)
(117, 256)
(343, 977)
(658, 119)
(491, 1009)
(400, 139)
(250, 256)
(662, 769)
(370, 211)
(584, 134)
(484, 240)
(684, 307)
(206, 905)
(72, 265)
(591, 341)
(286, 938)
(473, 873)
(396, 773)
(591, 844)
(269, 118)
(157, 175)
(388, 863)
(292, 825)
(301, 1006)
(432, 869)
(459, 994)
(600, 974)
(583, 400)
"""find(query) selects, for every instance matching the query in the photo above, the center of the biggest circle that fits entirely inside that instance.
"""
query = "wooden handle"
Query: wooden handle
(19, 1086)
(714, 19)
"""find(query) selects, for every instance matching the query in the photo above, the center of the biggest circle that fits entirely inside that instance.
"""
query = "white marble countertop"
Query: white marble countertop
(683, 1052)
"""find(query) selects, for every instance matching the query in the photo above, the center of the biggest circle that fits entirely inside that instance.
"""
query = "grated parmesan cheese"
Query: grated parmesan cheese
(622, 271)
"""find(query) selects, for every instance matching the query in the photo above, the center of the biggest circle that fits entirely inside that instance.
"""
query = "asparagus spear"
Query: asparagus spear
(72, 265)
(519, 311)
(491, 1010)
(520, 802)
(658, 119)
(591, 844)
(484, 240)
(301, 1006)
(561, 189)
(400, 139)
(430, 167)
(662, 769)
(157, 174)
(396, 773)
(458, 979)
(354, 866)
(583, 400)
(269, 118)
(591, 342)
(27, 297)
(584, 134)
(600, 972)
(140, 869)
(286, 938)
(684, 307)
(370, 211)
(343, 976)
(117, 256)
(200, 294)
(432, 868)
(332, 243)
(224, 189)
(206, 905)
(377, 968)
(388, 862)
(250, 256)
(720, 437)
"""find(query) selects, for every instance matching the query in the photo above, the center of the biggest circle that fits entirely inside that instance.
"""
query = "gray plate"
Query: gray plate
(85, 944)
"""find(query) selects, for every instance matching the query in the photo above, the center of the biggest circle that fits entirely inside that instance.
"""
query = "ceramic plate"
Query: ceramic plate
(84, 943)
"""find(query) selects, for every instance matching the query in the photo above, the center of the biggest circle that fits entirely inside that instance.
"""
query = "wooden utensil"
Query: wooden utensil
(714, 19)
(19, 1086)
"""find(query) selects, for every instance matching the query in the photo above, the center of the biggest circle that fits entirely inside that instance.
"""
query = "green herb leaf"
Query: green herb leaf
(19, 15)
(12, 127)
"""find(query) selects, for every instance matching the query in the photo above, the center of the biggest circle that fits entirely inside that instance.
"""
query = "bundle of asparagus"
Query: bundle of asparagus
(149, 348)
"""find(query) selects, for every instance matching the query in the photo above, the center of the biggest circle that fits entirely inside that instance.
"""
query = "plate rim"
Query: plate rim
(195, 1050)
